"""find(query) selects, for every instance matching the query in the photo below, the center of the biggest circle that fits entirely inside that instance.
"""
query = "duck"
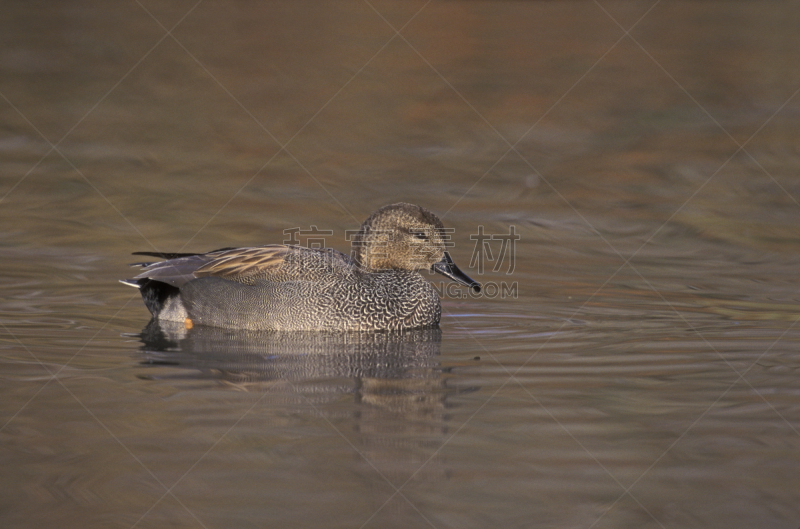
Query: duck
(280, 287)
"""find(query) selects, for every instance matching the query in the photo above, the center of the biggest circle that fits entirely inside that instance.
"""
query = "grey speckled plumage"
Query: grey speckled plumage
(291, 288)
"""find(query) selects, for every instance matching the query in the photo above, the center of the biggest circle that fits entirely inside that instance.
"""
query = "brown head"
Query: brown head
(406, 237)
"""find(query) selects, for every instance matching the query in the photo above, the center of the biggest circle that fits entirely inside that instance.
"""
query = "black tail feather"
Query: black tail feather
(155, 294)
(168, 255)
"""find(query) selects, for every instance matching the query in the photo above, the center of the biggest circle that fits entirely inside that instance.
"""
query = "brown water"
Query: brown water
(637, 367)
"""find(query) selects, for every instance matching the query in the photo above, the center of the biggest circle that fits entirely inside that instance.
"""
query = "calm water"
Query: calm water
(635, 363)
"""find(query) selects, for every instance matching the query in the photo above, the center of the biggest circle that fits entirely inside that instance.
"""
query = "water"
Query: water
(636, 367)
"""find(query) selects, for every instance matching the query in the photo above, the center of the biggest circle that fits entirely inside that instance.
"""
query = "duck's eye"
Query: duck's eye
(421, 235)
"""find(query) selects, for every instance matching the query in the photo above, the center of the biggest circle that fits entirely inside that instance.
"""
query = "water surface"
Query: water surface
(635, 365)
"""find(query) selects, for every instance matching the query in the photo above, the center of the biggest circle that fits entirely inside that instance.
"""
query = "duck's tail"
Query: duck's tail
(155, 294)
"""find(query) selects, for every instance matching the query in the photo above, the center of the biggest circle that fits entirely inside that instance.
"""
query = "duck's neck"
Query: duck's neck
(370, 250)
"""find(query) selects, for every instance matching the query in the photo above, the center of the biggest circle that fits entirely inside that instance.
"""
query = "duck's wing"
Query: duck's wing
(237, 264)
(277, 263)
(241, 264)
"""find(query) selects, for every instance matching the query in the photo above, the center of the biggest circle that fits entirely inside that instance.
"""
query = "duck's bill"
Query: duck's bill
(448, 268)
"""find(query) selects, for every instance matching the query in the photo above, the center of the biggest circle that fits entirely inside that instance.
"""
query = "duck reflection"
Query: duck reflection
(391, 370)
(398, 412)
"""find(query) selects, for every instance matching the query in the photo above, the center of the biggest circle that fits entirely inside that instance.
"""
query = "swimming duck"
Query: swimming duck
(293, 288)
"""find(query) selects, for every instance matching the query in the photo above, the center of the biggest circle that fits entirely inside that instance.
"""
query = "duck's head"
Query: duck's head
(407, 237)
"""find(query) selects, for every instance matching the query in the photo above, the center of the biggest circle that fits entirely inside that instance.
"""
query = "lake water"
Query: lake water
(633, 361)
